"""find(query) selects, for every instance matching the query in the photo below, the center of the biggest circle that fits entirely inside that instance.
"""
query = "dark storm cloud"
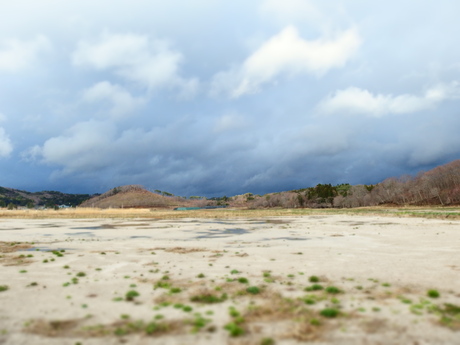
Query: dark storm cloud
(221, 99)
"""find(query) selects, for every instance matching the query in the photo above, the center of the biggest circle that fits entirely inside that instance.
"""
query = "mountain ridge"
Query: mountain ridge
(438, 186)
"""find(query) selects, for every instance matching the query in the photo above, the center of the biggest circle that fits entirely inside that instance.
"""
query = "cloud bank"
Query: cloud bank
(223, 98)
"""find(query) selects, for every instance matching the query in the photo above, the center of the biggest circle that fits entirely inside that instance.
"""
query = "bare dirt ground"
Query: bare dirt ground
(323, 279)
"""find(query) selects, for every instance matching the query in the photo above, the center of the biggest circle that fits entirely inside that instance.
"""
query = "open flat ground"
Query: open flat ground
(368, 276)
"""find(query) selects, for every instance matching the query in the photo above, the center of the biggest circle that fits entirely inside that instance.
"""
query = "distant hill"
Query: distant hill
(10, 196)
(439, 186)
(134, 196)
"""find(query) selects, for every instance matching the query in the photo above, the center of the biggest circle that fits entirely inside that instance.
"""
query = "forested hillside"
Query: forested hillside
(439, 186)
(17, 198)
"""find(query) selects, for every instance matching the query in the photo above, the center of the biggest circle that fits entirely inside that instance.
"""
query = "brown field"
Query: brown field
(164, 213)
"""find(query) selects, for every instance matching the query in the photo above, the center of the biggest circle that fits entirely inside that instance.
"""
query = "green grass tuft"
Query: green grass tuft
(433, 294)
(329, 312)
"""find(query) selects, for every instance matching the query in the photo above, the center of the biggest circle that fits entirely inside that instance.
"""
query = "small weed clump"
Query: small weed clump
(3, 288)
(198, 323)
(332, 290)
(433, 293)
(254, 290)
(187, 308)
(313, 279)
(162, 285)
(81, 274)
(175, 290)
(314, 287)
(201, 275)
(233, 312)
(234, 272)
(449, 316)
(309, 301)
(405, 300)
(243, 280)
(234, 329)
(329, 312)
(130, 295)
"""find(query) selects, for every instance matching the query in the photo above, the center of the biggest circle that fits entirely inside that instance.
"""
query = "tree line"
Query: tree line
(439, 186)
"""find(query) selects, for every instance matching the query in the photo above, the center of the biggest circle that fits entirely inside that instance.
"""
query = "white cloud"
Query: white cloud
(287, 53)
(111, 51)
(2, 117)
(149, 62)
(16, 55)
(123, 103)
(83, 147)
(229, 122)
(358, 101)
(5, 144)
(291, 10)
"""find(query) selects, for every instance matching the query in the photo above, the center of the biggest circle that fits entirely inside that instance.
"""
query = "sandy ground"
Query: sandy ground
(242, 281)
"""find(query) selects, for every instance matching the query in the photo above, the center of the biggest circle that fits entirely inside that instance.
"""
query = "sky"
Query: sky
(213, 98)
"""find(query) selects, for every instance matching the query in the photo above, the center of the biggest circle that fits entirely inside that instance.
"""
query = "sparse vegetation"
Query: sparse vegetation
(332, 290)
(253, 290)
(314, 287)
(433, 293)
(234, 329)
(329, 312)
(243, 280)
(209, 298)
(130, 295)
(313, 279)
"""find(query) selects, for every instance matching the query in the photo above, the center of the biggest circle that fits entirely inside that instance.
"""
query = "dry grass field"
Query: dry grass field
(165, 213)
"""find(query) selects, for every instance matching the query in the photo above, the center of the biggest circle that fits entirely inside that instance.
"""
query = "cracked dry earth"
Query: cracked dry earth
(315, 279)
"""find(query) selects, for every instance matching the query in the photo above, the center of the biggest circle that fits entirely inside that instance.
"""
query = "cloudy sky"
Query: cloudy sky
(207, 97)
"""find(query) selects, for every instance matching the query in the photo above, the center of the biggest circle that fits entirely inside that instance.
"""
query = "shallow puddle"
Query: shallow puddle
(89, 228)
(84, 233)
(49, 225)
(288, 238)
(222, 233)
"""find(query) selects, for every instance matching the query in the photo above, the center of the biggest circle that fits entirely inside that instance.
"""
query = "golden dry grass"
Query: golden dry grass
(256, 214)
